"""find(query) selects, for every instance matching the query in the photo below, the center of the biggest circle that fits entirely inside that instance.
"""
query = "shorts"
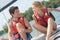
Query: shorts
(28, 37)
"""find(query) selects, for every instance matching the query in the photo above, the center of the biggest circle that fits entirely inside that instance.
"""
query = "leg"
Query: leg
(23, 35)
(51, 27)
(21, 31)
(3, 39)
(40, 28)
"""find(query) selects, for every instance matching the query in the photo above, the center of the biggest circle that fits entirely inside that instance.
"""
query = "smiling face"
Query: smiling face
(16, 13)
(37, 8)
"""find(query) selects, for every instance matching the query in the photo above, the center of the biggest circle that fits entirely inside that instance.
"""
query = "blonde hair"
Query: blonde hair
(37, 4)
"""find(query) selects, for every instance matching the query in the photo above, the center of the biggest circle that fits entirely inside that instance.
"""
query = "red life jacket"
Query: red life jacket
(15, 32)
(43, 20)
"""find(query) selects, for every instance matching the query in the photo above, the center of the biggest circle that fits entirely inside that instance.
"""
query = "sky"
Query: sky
(22, 4)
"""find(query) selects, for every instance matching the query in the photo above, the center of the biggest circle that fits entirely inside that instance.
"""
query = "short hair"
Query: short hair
(12, 9)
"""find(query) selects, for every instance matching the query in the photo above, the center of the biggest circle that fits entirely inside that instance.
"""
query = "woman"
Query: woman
(18, 27)
(44, 22)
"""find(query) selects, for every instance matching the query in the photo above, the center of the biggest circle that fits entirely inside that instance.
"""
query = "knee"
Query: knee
(22, 31)
(18, 24)
(50, 20)
(20, 28)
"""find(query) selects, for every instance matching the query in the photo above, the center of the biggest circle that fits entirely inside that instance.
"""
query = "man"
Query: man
(18, 27)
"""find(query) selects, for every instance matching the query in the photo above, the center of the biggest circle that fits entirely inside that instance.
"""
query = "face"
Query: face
(16, 13)
(37, 10)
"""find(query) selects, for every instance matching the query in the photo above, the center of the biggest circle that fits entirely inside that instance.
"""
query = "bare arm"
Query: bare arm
(29, 28)
(10, 31)
(21, 31)
(43, 29)
(22, 28)
(53, 9)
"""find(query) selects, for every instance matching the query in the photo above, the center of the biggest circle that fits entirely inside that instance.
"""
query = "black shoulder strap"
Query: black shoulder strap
(52, 16)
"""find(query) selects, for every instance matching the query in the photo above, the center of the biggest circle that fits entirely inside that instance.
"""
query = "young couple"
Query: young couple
(20, 29)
